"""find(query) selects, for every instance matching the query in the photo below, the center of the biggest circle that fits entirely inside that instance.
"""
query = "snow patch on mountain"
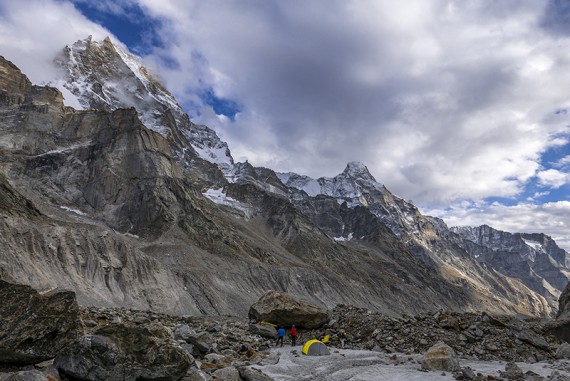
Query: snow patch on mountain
(537, 246)
(305, 183)
(210, 147)
(219, 197)
(344, 239)
(73, 210)
(69, 99)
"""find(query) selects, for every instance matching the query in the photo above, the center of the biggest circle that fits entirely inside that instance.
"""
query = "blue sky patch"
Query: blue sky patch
(132, 26)
(221, 106)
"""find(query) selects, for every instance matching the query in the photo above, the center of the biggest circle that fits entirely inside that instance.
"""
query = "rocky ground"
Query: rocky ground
(375, 346)
(360, 365)
(472, 335)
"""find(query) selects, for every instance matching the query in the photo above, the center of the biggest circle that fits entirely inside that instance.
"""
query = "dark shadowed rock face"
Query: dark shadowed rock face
(121, 352)
(561, 326)
(564, 302)
(13, 203)
(34, 327)
(15, 85)
(284, 309)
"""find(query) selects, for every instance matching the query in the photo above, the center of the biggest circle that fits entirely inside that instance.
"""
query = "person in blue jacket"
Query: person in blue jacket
(280, 335)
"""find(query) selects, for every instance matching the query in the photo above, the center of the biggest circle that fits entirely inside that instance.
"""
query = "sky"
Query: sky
(461, 106)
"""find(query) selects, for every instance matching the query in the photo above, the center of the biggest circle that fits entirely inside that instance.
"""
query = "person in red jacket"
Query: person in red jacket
(293, 335)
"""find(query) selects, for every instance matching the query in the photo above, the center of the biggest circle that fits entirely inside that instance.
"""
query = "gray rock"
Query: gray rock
(282, 308)
(226, 374)
(512, 372)
(183, 332)
(90, 323)
(556, 376)
(441, 357)
(252, 374)
(34, 327)
(187, 347)
(467, 373)
(533, 339)
(271, 359)
(215, 358)
(563, 351)
(141, 319)
(267, 331)
(532, 376)
(195, 374)
(202, 342)
(125, 353)
(28, 375)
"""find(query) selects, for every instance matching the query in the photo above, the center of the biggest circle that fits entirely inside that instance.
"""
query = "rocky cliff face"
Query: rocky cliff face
(533, 258)
(139, 207)
(353, 207)
(104, 76)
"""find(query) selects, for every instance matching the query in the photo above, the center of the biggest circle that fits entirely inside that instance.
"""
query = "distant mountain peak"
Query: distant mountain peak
(358, 171)
(346, 186)
(355, 166)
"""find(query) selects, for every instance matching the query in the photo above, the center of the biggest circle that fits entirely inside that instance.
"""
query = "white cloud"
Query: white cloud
(553, 178)
(537, 195)
(442, 100)
(563, 162)
(34, 31)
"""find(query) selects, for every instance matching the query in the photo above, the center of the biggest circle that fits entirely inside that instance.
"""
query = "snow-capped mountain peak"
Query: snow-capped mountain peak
(104, 75)
(346, 186)
(358, 170)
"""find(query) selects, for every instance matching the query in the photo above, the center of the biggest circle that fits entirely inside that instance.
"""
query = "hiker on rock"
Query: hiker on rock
(293, 335)
(280, 335)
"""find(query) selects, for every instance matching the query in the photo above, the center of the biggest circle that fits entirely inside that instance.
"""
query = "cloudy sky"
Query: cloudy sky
(461, 106)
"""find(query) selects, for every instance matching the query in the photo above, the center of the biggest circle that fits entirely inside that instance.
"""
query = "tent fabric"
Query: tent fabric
(315, 348)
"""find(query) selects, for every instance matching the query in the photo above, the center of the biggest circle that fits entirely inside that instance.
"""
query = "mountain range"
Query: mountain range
(109, 189)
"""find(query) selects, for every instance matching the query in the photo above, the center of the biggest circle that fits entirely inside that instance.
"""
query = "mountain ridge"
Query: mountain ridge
(218, 233)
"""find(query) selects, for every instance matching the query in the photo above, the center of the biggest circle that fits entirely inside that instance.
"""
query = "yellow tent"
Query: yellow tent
(315, 348)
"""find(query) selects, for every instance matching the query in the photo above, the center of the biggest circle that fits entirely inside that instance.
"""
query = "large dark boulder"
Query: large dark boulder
(561, 326)
(121, 352)
(284, 309)
(34, 326)
(564, 302)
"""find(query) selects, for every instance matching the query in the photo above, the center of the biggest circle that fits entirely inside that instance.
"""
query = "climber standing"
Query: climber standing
(280, 334)
(293, 335)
